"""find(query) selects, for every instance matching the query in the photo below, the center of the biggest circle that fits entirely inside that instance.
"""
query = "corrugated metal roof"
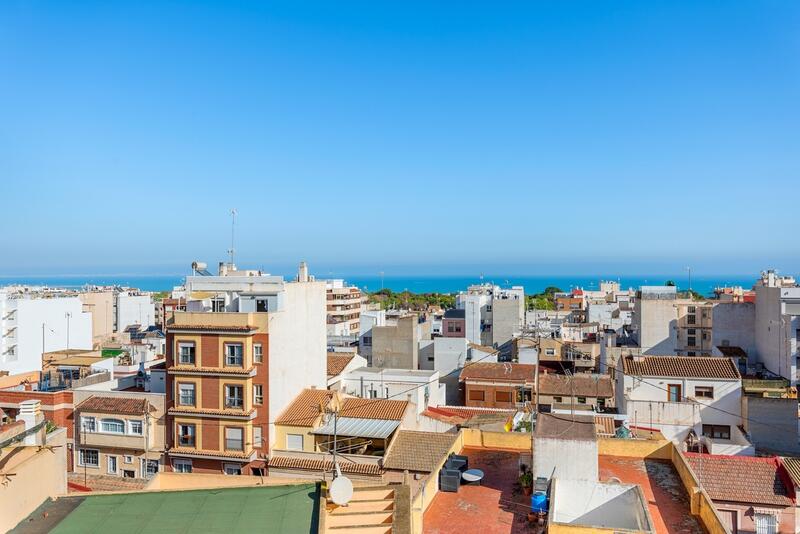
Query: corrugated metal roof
(360, 428)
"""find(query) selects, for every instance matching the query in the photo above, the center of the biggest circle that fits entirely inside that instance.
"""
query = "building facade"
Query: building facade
(343, 307)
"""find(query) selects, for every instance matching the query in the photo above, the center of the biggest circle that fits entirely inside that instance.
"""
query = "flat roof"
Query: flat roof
(293, 508)
(565, 426)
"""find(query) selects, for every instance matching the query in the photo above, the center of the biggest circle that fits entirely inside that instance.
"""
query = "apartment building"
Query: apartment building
(663, 323)
(497, 385)
(343, 307)
(492, 314)
(777, 324)
(695, 321)
(396, 345)
(253, 343)
(35, 321)
(454, 323)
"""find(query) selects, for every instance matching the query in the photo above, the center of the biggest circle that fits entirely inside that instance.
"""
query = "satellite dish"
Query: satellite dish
(341, 490)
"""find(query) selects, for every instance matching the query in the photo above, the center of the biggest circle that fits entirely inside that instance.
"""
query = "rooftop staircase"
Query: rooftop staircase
(371, 511)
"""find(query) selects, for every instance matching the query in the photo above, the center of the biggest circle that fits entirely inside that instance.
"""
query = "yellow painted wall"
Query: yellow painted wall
(557, 528)
(282, 430)
(496, 440)
(424, 497)
(635, 448)
(701, 504)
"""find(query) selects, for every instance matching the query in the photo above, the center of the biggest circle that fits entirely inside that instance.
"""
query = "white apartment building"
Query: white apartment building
(419, 387)
(777, 324)
(344, 308)
(665, 324)
(679, 395)
(134, 308)
(368, 320)
(492, 314)
(33, 322)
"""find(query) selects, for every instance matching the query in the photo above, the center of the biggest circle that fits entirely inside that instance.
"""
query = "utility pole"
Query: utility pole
(231, 250)
(68, 315)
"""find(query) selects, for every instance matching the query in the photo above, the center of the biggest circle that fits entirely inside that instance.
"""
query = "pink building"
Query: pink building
(454, 324)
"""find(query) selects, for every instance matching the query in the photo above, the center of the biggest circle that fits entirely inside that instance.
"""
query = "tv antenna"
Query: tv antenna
(231, 250)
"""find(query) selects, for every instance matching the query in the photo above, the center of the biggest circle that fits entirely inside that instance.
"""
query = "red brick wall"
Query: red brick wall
(489, 395)
(62, 416)
(209, 351)
(209, 386)
(262, 377)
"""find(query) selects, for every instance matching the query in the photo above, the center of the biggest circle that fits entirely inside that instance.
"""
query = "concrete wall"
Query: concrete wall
(734, 325)
(298, 356)
(135, 309)
(396, 347)
(775, 331)
(507, 318)
(449, 353)
(39, 474)
(101, 305)
(772, 424)
(567, 459)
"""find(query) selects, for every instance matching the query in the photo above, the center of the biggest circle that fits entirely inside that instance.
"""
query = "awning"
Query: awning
(359, 428)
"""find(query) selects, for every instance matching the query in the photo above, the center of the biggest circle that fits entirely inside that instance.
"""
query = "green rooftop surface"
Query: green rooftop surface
(285, 509)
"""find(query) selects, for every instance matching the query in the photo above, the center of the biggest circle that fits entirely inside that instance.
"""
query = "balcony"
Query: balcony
(191, 370)
(187, 452)
(117, 441)
(210, 413)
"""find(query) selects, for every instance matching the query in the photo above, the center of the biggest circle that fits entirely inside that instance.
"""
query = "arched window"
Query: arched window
(114, 426)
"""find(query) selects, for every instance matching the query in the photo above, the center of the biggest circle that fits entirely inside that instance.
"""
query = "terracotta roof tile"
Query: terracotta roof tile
(120, 405)
(742, 479)
(210, 370)
(305, 409)
(737, 352)
(682, 366)
(185, 451)
(337, 362)
(217, 328)
(311, 464)
(792, 466)
(418, 451)
(373, 408)
(499, 372)
(579, 384)
(206, 411)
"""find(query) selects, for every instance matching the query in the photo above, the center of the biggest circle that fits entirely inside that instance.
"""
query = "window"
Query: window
(705, 334)
(488, 308)
(182, 466)
(88, 424)
(258, 353)
(581, 400)
(502, 396)
(258, 394)
(558, 400)
(691, 319)
(717, 431)
(186, 353)
(294, 442)
(691, 341)
(765, 523)
(112, 426)
(692, 331)
(674, 393)
(367, 341)
(262, 305)
(186, 435)
(234, 438)
(233, 354)
(451, 327)
(232, 469)
(135, 427)
(257, 471)
(217, 305)
(692, 309)
(257, 437)
(477, 395)
(128, 459)
(705, 392)
(89, 457)
(186, 394)
(111, 464)
(148, 468)
(234, 397)
(550, 352)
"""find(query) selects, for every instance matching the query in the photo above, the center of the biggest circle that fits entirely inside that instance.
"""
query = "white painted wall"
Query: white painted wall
(418, 387)
(135, 309)
(733, 324)
(21, 332)
(297, 345)
(568, 459)
(449, 353)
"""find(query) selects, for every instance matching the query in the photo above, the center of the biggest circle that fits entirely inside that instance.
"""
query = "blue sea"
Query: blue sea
(415, 284)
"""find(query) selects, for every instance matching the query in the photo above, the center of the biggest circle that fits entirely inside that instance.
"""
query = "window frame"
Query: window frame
(257, 440)
(193, 434)
(187, 344)
(183, 463)
(710, 431)
(258, 394)
(258, 355)
(227, 345)
(472, 395)
(110, 420)
(84, 420)
(226, 439)
(82, 457)
(131, 423)
(510, 398)
(180, 394)
(679, 388)
(705, 389)
(109, 459)
(302, 442)
(226, 398)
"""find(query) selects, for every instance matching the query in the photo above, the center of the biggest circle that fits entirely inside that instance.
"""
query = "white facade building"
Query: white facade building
(777, 324)
(680, 394)
(418, 387)
(484, 326)
(31, 324)
(134, 308)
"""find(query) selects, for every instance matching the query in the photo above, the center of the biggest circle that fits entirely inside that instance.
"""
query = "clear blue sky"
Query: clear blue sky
(528, 137)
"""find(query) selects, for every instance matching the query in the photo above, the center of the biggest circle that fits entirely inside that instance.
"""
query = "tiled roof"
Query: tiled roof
(207, 411)
(418, 451)
(311, 464)
(216, 328)
(579, 384)
(499, 372)
(566, 427)
(681, 367)
(305, 408)
(461, 414)
(373, 409)
(742, 479)
(185, 451)
(337, 362)
(604, 426)
(792, 466)
(120, 405)
(737, 352)
(482, 348)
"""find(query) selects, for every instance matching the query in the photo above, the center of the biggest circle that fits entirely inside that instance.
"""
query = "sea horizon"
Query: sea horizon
(704, 284)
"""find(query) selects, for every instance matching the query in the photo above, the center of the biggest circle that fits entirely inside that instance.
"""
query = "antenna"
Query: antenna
(231, 250)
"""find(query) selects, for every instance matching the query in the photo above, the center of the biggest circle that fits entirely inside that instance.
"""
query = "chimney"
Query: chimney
(302, 272)
(30, 412)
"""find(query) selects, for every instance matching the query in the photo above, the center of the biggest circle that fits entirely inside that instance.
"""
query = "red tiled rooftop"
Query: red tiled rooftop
(666, 496)
(499, 372)
(119, 405)
(494, 507)
(712, 367)
(337, 362)
(744, 479)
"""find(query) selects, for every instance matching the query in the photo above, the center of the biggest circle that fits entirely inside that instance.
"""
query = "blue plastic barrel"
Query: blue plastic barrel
(539, 501)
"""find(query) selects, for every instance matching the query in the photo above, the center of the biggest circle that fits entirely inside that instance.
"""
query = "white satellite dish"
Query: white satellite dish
(341, 490)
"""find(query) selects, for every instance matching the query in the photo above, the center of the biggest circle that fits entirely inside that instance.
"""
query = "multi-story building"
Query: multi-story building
(134, 308)
(497, 385)
(344, 308)
(33, 322)
(453, 323)
(492, 314)
(777, 324)
(396, 346)
(663, 323)
(229, 371)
